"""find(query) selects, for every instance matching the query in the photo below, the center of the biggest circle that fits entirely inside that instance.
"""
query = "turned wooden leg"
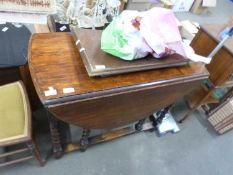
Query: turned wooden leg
(187, 115)
(35, 151)
(197, 105)
(138, 126)
(65, 136)
(55, 137)
(84, 142)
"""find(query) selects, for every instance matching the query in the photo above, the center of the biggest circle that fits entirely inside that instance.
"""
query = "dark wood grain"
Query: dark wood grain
(103, 102)
(90, 40)
(101, 138)
(121, 109)
(54, 61)
(213, 31)
(221, 65)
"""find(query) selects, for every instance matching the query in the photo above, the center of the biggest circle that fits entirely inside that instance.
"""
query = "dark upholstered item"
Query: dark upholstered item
(13, 45)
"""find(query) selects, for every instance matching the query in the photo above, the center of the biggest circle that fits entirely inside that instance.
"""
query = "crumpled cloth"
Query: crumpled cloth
(134, 34)
(159, 28)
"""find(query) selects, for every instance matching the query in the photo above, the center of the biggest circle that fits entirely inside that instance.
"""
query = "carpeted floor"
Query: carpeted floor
(195, 150)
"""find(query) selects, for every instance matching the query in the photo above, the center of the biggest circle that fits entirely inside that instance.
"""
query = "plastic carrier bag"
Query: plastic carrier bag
(134, 34)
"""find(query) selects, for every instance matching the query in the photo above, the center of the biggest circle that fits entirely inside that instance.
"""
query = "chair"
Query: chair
(15, 123)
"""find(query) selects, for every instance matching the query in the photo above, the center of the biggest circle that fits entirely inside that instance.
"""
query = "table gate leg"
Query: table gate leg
(55, 136)
(138, 126)
(84, 139)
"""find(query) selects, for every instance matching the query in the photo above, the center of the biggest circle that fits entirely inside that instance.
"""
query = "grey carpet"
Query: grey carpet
(195, 150)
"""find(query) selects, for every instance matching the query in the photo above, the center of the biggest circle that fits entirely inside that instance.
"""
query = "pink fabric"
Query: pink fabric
(159, 28)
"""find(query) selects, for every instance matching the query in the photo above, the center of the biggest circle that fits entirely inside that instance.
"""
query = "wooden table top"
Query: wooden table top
(213, 30)
(55, 62)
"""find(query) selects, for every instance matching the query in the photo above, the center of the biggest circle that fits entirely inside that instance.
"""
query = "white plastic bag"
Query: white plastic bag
(134, 34)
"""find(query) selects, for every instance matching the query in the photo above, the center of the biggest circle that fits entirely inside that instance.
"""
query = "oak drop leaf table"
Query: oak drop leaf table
(100, 102)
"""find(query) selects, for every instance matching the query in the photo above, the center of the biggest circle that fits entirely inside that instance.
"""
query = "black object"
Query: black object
(160, 116)
(84, 142)
(56, 26)
(62, 27)
(139, 125)
(164, 122)
(13, 45)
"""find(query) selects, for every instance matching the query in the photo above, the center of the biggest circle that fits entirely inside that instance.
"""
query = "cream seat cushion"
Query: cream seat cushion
(13, 112)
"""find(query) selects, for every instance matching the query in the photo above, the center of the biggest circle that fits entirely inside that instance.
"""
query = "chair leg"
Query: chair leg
(197, 105)
(139, 126)
(35, 151)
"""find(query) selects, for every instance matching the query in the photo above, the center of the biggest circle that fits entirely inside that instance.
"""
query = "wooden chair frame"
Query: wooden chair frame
(25, 138)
